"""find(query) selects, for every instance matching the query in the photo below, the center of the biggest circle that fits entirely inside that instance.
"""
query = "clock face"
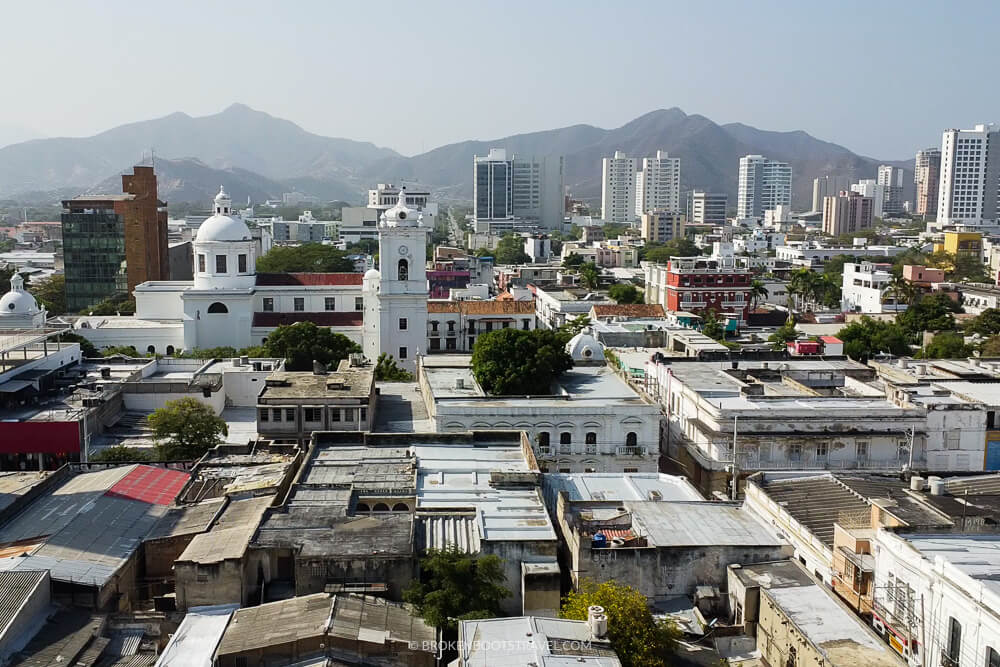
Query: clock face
(403, 250)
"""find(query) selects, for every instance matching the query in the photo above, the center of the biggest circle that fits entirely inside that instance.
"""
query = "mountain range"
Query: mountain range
(255, 154)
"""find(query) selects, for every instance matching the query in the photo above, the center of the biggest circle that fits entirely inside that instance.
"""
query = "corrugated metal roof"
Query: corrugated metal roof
(15, 588)
(274, 623)
(150, 485)
(442, 532)
(699, 524)
(194, 643)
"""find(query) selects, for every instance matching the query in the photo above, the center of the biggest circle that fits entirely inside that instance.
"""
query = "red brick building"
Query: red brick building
(699, 284)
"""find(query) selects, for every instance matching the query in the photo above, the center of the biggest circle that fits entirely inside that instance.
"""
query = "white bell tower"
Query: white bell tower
(396, 296)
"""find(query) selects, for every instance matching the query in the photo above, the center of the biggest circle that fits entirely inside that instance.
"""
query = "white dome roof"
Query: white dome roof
(223, 228)
(17, 301)
(584, 347)
(402, 215)
(372, 274)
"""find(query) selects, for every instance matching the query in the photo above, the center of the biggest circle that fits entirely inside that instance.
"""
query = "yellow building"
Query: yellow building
(962, 243)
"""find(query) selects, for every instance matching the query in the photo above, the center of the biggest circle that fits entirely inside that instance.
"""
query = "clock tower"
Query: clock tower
(395, 296)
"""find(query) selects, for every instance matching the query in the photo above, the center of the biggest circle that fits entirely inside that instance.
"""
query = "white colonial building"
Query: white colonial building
(18, 309)
(229, 304)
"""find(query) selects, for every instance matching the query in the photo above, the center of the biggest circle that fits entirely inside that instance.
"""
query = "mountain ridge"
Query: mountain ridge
(284, 155)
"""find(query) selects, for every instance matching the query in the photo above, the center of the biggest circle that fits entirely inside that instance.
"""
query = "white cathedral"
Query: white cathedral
(229, 304)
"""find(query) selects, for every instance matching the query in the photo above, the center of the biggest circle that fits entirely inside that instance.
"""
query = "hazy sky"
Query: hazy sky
(880, 77)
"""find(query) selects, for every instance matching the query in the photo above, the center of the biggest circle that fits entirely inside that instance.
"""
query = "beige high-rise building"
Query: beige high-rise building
(847, 213)
(927, 176)
(661, 226)
(828, 186)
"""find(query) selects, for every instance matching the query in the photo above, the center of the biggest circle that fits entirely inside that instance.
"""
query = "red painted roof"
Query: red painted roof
(308, 279)
(830, 339)
(157, 486)
(324, 319)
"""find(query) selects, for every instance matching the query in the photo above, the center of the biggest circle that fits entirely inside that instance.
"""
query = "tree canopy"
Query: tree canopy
(51, 294)
(867, 337)
(783, 335)
(510, 250)
(990, 347)
(306, 258)
(122, 454)
(303, 342)
(947, 345)
(186, 429)
(455, 585)
(87, 348)
(118, 304)
(639, 639)
(662, 252)
(387, 370)
(712, 327)
(933, 312)
(590, 275)
(987, 323)
(624, 293)
(515, 361)
(572, 260)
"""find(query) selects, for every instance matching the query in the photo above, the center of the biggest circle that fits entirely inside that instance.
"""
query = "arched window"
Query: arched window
(631, 439)
(151, 349)
(565, 438)
(170, 350)
(380, 507)
(403, 270)
(400, 507)
(217, 307)
(591, 438)
(362, 507)
(543, 439)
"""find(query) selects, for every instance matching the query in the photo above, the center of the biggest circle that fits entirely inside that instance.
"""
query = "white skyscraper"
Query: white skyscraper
(892, 179)
(763, 184)
(618, 188)
(970, 170)
(869, 187)
(658, 185)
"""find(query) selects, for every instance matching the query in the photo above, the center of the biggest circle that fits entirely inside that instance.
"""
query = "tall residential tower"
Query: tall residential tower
(970, 170)
(927, 176)
(763, 184)
(658, 184)
(618, 188)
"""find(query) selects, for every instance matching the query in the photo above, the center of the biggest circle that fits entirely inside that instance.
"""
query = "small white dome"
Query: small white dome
(584, 347)
(402, 215)
(222, 196)
(372, 274)
(223, 228)
(17, 301)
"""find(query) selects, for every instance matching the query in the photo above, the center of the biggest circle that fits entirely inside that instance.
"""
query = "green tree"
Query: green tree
(639, 639)
(624, 293)
(990, 347)
(118, 304)
(306, 258)
(712, 327)
(867, 337)
(186, 429)
(51, 293)
(87, 348)
(590, 275)
(933, 312)
(784, 334)
(967, 268)
(683, 247)
(386, 370)
(455, 585)
(835, 265)
(900, 289)
(122, 454)
(515, 361)
(986, 323)
(510, 250)
(758, 292)
(572, 261)
(224, 352)
(575, 325)
(362, 247)
(303, 342)
(124, 350)
(947, 345)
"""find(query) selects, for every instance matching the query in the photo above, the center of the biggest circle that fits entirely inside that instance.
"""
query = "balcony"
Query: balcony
(630, 451)
(544, 451)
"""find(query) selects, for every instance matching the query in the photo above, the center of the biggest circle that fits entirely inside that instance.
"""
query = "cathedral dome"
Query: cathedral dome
(17, 301)
(372, 274)
(222, 226)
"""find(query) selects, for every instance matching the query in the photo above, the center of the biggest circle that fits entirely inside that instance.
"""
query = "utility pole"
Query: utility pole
(736, 472)
(909, 465)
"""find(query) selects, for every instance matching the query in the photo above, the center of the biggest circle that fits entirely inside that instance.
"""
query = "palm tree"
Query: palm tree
(590, 275)
(757, 292)
(901, 290)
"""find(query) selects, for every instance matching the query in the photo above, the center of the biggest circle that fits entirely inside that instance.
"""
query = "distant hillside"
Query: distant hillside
(261, 155)
(237, 137)
(709, 155)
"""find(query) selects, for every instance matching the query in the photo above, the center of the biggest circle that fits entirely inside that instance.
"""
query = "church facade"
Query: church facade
(229, 304)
